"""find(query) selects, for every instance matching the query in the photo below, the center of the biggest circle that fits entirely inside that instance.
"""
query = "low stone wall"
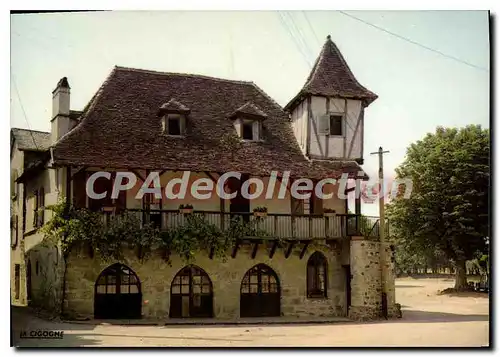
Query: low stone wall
(366, 287)
(156, 277)
(47, 268)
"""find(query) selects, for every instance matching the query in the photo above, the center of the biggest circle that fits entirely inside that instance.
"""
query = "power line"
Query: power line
(312, 56)
(413, 42)
(294, 38)
(24, 112)
(301, 37)
(312, 29)
(307, 50)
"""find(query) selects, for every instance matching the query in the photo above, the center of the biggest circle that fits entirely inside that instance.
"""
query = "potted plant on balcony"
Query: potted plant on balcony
(186, 209)
(328, 212)
(260, 211)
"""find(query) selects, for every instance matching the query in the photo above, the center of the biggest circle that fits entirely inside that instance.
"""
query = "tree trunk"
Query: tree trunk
(460, 275)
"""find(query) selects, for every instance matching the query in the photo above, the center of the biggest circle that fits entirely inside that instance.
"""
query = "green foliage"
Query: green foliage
(260, 209)
(448, 210)
(83, 228)
(230, 142)
(186, 206)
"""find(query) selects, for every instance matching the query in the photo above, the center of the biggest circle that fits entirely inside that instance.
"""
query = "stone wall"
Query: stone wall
(365, 282)
(156, 277)
(47, 267)
(17, 258)
(366, 287)
(394, 309)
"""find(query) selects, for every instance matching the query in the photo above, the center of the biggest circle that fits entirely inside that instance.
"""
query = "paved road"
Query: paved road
(429, 320)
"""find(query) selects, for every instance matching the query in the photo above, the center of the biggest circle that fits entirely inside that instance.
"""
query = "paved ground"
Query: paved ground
(428, 320)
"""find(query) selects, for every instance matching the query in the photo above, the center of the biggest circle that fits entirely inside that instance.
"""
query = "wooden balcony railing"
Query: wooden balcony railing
(277, 225)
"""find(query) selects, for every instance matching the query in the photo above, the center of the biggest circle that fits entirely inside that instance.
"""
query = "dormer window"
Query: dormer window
(174, 125)
(247, 130)
(174, 117)
(248, 122)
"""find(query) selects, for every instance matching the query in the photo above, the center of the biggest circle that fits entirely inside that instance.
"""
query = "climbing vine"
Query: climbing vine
(86, 229)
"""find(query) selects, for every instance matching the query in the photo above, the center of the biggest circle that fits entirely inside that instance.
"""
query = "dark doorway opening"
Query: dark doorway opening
(191, 294)
(117, 294)
(260, 293)
(239, 204)
(347, 273)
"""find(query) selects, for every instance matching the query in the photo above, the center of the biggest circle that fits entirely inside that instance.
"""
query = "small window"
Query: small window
(41, 199)
(316, 276)
(247, 131)
(17, 280)
(15, 234)
(35, 209)
(41, 207)
(38, 214)
(336, 125)
(174, 126)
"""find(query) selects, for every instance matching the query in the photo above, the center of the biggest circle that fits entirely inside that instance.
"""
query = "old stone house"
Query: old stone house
(311, 264)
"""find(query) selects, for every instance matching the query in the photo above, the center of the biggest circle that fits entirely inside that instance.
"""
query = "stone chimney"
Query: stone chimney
(61, 122)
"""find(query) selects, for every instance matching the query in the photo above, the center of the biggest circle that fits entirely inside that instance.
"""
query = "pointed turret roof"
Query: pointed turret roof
(332, 77)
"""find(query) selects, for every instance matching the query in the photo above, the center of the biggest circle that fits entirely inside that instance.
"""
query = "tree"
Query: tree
(448, 208)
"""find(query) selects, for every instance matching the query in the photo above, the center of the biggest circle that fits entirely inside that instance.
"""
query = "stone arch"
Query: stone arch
(317, 275)
(191, 293)
(117, 293)
(260, 292)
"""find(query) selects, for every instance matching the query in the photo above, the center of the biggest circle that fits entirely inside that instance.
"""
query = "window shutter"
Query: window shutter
(41, 200)
(323, 124)
(35, 209)
(79, 189)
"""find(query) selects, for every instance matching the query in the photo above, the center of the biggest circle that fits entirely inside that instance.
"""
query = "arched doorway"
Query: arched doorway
(117, 294)
(191, 294)
(260, 293)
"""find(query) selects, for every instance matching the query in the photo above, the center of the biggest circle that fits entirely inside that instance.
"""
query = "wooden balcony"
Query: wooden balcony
(276, 225)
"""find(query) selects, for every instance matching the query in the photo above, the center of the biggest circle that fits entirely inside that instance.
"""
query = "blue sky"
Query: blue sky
(418, 89)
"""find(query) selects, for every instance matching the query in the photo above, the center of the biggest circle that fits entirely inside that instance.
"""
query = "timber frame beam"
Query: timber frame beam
(291, 244)
(235, 248)
(304, 249)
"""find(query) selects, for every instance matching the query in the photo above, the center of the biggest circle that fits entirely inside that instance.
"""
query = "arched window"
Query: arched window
(317, 276)
(117, 294)
(191, 293)
(260, 293)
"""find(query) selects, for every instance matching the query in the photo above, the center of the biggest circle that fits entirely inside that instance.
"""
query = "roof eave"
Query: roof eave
(368, 99)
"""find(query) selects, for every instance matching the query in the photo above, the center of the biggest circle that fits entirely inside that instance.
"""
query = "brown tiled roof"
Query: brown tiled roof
(31, 139)
(332, 77)
(249, 109)
(173, 106)
(120, 128)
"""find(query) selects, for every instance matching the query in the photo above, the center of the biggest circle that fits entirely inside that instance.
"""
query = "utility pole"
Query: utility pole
(383, 273)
